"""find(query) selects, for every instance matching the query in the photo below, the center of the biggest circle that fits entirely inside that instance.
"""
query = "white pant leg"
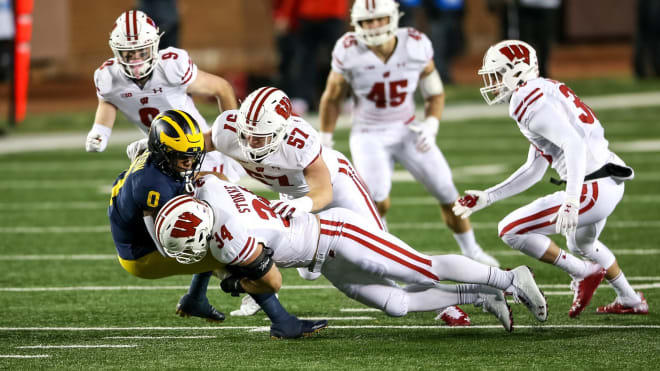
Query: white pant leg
(525, 228)
(350, 192)
(429, 168)
(373, 160)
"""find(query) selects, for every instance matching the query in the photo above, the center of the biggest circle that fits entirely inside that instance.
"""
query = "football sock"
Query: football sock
(467, 242)
(571, 264)
(272, 307)
(199, 284)
(623, 288)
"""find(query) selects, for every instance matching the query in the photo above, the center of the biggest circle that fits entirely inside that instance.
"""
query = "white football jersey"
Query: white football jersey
(384, 90)
(165, 89)
(243, 219)
(282, 170)
(527, 106)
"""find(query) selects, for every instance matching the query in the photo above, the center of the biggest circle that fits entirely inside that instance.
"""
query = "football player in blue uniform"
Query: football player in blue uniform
(167, 169)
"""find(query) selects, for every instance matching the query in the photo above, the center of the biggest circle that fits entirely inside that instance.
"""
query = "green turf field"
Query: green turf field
(69, 305)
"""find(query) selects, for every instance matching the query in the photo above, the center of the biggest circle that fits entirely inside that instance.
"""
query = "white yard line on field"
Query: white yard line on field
(455, 112)
(331, 327)
(77, 346)
(654, 285)
(24, 355)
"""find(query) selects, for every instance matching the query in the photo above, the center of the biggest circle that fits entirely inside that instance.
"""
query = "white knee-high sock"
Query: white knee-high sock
(462, 269)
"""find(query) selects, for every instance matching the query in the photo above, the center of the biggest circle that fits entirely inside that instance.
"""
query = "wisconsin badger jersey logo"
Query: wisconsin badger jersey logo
(186, 225)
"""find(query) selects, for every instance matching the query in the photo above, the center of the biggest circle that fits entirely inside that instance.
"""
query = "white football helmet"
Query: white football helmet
(134, 41)
(263, 121)
(184, 226)
(371, 9)
(507, 64)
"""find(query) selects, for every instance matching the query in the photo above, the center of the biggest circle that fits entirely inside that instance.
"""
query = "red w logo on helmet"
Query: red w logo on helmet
(284, 108)
(516, 52)
(185, 225)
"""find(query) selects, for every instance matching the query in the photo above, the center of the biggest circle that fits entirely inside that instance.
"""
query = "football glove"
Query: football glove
(136, 148)
(97, 138)
(232, 285)
(292, 208)
(426, 132)
(567, 217)
(471, 202)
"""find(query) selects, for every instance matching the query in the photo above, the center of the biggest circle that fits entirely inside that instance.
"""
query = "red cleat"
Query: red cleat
(454, 316)
(583, 291)
(616, 307)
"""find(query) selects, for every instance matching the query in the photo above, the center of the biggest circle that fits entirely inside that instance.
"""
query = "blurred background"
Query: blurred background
(285, 42)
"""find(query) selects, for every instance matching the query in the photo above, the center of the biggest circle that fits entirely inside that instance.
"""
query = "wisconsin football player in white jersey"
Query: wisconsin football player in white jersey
(383, 65)
(141, 82)
(565, 134)
(240, 229)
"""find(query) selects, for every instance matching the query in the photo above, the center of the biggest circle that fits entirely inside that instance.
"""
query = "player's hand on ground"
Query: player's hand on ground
(426, 132)
(97, 138)
(471, 202)
(292, 208)
(567, 217)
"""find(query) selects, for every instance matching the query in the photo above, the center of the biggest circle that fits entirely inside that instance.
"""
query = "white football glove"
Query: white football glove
(292, 208)
(471, 202)
(97, 138)
(426, 132)
(567, 217)
(326, 140)
(136, 148)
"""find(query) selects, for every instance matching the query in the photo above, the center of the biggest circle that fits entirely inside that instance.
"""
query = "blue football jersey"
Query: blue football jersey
(142, 187)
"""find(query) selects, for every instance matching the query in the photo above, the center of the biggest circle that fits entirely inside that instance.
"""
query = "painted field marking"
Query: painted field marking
(161, 337)
(78, 346)
(331, 327)
(364, 318)
(24, 356)
(290, 287)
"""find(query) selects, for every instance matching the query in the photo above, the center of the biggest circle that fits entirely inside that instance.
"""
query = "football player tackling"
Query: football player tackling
(565, 134)
(240, 229)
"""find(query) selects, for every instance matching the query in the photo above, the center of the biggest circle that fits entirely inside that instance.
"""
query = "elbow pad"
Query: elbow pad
(431, 85)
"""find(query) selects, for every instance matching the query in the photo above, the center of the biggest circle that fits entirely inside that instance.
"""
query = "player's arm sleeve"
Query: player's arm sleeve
(224, 130)
(317, 177)
(555, 126)
(178, 66)
(526, 176)
(102, 83)
(151, 227)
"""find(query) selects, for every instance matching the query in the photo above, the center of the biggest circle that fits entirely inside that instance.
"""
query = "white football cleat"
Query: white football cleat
(495, 303)
(249, 307)
(524, 290)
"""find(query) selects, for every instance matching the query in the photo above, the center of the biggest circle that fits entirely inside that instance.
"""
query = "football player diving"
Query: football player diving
(166, 170)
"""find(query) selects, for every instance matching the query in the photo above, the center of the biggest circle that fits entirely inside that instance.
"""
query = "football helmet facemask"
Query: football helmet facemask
(184, 227)
(134, 41)
(175, 135)
(263, 121)
(372, 9)
(506, 65)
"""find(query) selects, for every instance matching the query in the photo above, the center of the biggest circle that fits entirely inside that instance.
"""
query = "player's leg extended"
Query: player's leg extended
(432, 171)
(350, 192)
(194, 303)
(381, 254)
(372, 156)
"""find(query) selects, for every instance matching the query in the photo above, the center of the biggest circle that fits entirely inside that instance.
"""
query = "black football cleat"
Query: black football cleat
(296, 328)
(188, 306)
